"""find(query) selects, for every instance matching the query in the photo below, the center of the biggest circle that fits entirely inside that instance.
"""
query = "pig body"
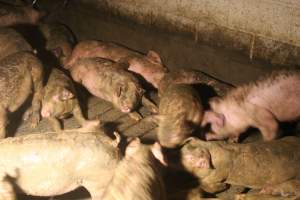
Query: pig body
(49, 164)
(60, 101)
(20, 75)
(137, 176)
(180, 112)
(59, 40)
(260, 104)
(253, 165)
(107, 80)
(14, 15)
(149, 66)
(12, 42)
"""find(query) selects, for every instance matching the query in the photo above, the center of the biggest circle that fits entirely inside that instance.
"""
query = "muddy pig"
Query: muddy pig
(59, 40)
(108, 80)
(260, 104)
(11, 15)
(60, 100)
(49, 164)
(20, 75)
(11, 42)
(261, 165)
(180, 112)
(138, 175)
(148, 66)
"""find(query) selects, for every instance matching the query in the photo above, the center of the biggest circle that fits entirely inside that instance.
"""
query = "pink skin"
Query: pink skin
(149, 66)
(87, 76)
(260, 105)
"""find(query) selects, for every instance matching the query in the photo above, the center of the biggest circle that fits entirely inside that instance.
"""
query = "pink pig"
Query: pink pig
(261, 104)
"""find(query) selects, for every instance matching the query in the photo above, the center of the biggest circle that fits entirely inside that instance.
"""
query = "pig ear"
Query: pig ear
(132, 146)
(58, 52)
(214, 101)
(66, 94)
(213, 118)
(154, 57)
(158, 154)
(56, 98)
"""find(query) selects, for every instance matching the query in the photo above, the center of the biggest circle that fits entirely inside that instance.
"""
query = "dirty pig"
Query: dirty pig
(180, 112)
(108, 80)
(149, 66)
(49, 164)
(60, 101)
(11, 15)
(270, 166)
(21, 74)
(59, 40)
(260, 104)
(12, 42)
(138, 175)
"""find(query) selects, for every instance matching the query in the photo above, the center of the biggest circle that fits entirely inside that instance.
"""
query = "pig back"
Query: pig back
(263, 163)
(279, 92)
(70, 151)
(11, 42)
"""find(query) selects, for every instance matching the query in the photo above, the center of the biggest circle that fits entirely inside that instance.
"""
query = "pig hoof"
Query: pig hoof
(91, 125)
(27, 115)
(35, 119)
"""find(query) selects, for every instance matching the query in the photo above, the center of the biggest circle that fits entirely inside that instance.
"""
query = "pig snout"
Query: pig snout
(125, 109)
(46, 111)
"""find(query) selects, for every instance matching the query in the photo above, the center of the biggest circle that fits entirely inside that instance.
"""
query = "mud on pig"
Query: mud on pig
(180, 112)
(49, 164)
(20, 75)
(108, 80)
(271, 166)
(60, 101)
(138, 175)
(260, 104)
(149, 66)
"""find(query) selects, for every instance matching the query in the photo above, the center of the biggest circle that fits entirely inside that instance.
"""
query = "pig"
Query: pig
(108, 80)
(12, 42)
(11, 15)
(21, 74)
(149, 66)
(180, 113)
(270, 166)
(138, 175)
(260, 104)
(49, 164)
(59, 40)
(59, 101)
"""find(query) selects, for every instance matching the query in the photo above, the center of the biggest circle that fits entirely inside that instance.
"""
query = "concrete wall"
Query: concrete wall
(266, 29)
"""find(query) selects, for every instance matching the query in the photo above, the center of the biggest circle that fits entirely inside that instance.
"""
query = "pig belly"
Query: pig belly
(45, 180)
(281, 99)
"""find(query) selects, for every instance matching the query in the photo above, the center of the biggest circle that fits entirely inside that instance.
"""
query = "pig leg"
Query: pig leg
(213, 183)
(136, 116)
(86, 124)
(37, 77)
(264, 120)
(213, 136)
(149, 104)
(55, 123)
(6, 189)
(3, 122)
(288, 188)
